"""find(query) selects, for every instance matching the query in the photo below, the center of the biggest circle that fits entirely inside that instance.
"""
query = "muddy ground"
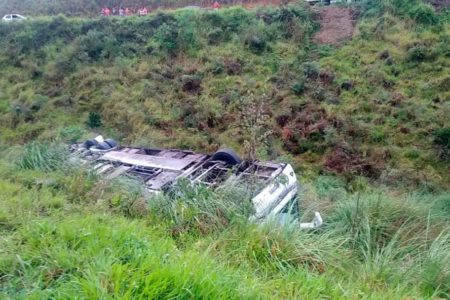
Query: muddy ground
(337, 25)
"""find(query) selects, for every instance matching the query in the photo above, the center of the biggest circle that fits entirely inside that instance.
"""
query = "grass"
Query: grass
(58, 241)
(131, 79)
(43, 156)
(365, 125)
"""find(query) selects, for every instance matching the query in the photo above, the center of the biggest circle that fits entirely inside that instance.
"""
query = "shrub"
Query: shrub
(166, 38)
(255, 38)
(191, 83)
(415, 9)
(256, 43)
(377, 135)
(311, 69)
(38, 103)
(417, 53)
(95, 45)
(187, 32)
(215, 36)
(217, 67)
(319, 94)
(299, 86)
(442, 141)
(94, 120)
(233, 66)
(423, 14)
(442, 137)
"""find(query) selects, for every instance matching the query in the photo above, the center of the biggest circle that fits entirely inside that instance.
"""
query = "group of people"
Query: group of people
(106, 12)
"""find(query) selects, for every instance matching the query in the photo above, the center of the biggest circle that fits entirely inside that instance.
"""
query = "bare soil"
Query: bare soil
(337, 25)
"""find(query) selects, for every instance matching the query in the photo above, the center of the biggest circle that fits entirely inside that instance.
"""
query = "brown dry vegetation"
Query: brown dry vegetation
(336, 25)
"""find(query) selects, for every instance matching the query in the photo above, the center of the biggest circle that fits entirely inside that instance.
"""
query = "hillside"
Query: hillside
(93, 7)
(186, 80)
(364, 119)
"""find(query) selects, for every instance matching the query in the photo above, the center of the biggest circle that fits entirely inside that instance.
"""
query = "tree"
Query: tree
(255, 123)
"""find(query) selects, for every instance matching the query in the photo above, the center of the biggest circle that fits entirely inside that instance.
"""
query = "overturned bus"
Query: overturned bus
(159, 170)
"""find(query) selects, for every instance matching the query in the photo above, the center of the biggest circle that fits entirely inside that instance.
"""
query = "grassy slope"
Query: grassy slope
(401, 101)
(194, 79)
(67, 234)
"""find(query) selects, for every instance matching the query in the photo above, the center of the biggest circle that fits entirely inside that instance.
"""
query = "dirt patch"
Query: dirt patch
(337, 25)
(439, 4)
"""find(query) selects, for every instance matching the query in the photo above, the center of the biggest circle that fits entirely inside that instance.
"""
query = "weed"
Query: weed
(43, 156)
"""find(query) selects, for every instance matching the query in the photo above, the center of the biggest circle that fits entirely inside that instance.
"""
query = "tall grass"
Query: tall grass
(398, 239)
(43, 156)
(200, 209)
(197, 243)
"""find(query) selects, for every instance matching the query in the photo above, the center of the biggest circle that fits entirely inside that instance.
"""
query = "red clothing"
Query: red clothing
(216, 5)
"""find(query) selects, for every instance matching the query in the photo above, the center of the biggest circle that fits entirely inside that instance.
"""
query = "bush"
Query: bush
(191, 83)
(377, 135)
(423, 14)
(299, 87)
(215, 36)
(95, 45)
(311, 69)
(94, 120)
(166, 38)
(442, 137)
(415, 9)
(442, 141)
(188, 35)
(417, 53)
(256, 43)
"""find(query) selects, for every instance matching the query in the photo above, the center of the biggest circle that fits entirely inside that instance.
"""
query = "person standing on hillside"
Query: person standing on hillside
(216, 5)
(144, 11)
(121, 12)
(127, 11)
(107, 12)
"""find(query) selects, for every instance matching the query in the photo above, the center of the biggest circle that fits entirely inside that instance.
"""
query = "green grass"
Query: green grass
(61, 240)
(43, 156)
(364, 124)
(131, 79)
